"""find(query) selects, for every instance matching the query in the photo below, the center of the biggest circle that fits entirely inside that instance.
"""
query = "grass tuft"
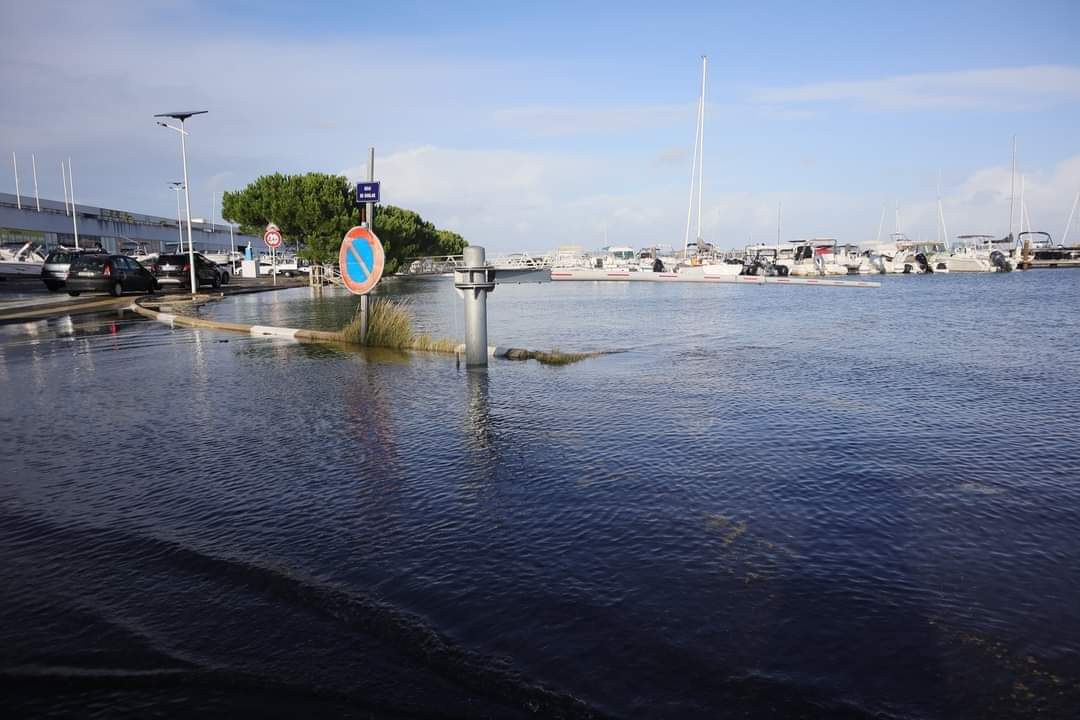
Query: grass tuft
(549, 357)
(390, 326)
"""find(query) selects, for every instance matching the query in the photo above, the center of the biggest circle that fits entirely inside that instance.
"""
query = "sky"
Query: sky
(528, 126)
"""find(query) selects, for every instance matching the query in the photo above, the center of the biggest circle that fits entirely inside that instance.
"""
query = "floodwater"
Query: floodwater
(777, 502)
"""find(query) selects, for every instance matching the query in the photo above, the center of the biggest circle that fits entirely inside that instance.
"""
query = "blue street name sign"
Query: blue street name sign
(367, 192)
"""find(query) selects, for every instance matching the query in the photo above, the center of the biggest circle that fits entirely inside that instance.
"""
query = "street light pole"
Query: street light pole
(182, 116)
(187, 202)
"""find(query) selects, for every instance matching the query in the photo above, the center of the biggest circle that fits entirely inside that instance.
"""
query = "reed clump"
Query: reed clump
(427, 343)
(549, 357)
(390, 326)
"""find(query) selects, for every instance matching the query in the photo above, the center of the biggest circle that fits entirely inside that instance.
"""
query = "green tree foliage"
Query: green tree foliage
(316, 210)
(404, 234)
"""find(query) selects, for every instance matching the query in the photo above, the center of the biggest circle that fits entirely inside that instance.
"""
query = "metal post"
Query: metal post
(365, 314)
(187, 201)
(369, 221)
(18, 195)
(74, 219)
(369, 214)
(476, 354)
(37, 198)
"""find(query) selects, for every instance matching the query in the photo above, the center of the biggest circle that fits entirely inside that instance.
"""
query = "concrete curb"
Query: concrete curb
(172, 320)
(299, 334)
(288, 333)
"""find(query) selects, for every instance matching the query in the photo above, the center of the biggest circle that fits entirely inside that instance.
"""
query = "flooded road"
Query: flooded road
(778, 502)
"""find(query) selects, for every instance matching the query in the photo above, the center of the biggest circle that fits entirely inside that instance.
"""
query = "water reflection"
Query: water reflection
(768, 512)
(478, 417)
(368, 405)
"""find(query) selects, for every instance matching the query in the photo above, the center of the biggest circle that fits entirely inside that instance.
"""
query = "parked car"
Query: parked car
(175, 269)
(222, 270)
(90, 272)
(54, 271)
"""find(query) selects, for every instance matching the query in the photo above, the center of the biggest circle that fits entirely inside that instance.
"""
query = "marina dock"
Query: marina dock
(622, 275)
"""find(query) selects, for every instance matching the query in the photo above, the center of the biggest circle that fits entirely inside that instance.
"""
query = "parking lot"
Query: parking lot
(29, 299)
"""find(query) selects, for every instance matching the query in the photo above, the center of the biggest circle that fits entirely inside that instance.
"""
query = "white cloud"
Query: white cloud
(556, 121)
(510, 200)
(1023, 88)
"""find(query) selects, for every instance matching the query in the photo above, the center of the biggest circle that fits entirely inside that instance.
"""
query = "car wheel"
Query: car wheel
(117, 289)
(73, 293)
(225, 279)
(216, 282)
(53, 287)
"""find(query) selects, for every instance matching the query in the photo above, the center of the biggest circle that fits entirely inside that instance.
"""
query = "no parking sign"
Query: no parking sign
(361, 260)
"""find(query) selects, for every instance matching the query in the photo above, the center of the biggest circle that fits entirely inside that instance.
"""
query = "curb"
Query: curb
(172, 320)
(298, 334)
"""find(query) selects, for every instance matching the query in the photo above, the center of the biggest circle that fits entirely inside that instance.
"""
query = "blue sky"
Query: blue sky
(525, 126)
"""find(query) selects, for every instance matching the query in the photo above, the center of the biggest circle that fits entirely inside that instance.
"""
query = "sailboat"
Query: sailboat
(697, 257)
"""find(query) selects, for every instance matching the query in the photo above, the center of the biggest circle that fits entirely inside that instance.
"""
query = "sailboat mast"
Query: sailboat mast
(1021, 223)
(693, 176)
(1012, 189)
(701, 145)
(1068, 223)
(880, 224)
(941, 213)
(779, 205)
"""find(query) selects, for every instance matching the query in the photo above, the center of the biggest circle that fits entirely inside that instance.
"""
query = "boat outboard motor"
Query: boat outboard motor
(658, 265)
(924, 264)
(997, 259)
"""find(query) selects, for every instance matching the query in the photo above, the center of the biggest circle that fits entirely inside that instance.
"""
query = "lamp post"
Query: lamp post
(182, 116)
(176, 185)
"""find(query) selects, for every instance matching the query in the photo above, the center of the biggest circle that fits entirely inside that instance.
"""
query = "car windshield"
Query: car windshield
(89, 262)
(172, 260)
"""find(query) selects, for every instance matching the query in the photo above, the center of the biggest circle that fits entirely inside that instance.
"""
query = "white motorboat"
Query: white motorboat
(21, 260)
(225, 257)
(921, 256)
(851, 257)
(814, 257)
(980, 253)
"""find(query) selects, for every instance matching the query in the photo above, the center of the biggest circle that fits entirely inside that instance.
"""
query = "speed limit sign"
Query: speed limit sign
(272, 236)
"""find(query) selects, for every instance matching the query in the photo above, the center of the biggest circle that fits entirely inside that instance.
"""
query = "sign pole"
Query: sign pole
(361, 260)
(369, 222)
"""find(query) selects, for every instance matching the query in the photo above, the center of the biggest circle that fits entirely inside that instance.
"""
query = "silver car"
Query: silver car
(55, 270)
